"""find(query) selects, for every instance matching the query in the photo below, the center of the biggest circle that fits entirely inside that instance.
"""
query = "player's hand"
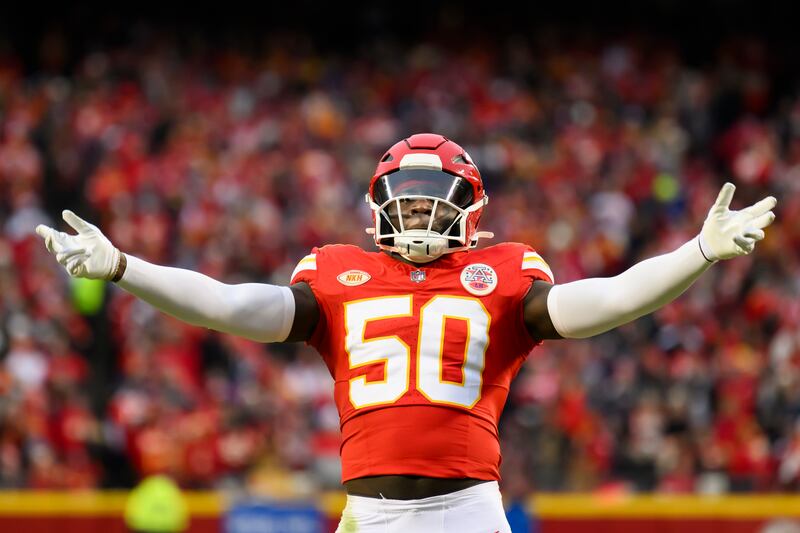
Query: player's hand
(89, 254)
(727, 233)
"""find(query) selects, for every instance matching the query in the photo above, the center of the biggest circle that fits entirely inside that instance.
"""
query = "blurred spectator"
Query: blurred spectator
(235, 162)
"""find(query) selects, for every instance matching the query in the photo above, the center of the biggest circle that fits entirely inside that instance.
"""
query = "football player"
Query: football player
(423, 336)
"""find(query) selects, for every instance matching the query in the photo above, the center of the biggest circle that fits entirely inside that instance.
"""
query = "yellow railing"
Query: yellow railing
(663, 506)
(546, 506)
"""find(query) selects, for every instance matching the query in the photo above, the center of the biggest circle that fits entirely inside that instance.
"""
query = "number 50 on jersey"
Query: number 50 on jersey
(396, 355)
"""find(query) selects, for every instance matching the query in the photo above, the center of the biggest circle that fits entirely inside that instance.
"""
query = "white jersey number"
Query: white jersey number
(396, 354)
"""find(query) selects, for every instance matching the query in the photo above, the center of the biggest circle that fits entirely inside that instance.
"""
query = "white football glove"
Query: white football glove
(727, 233)
(89, 254)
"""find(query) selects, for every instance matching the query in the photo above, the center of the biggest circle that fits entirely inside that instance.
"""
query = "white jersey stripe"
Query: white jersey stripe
(534, 261)
(309, 262)
(527, 255)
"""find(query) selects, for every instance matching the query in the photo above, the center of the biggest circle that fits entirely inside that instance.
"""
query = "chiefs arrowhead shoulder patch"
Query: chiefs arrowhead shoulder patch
(352, 278)
(479, 279)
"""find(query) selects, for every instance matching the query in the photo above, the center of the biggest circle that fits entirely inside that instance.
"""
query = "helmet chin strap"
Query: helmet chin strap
(420, 246)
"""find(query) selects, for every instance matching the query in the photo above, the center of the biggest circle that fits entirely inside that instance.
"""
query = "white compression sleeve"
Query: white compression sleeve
(591, 306)
(257, 311)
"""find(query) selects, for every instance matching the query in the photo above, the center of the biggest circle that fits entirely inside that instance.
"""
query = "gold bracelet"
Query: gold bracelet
(122, 264)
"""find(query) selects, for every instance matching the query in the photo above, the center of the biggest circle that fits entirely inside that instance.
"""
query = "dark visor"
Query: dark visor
(423, 182)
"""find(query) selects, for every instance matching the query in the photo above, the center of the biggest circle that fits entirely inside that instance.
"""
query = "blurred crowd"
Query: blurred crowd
(235, 162)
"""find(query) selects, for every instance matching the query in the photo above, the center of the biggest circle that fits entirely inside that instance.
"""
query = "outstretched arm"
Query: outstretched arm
(591, 306)
(257, 311)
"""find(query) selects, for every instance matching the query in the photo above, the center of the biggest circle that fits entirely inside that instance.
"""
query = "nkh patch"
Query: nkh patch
(479, 279)
(351, 278)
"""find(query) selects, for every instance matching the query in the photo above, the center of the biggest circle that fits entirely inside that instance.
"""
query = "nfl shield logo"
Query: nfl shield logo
(418, 276)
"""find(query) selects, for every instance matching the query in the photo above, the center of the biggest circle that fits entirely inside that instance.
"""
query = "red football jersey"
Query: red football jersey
(422, 355)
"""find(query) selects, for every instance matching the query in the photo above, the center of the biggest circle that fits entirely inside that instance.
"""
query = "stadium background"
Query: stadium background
(231, 140)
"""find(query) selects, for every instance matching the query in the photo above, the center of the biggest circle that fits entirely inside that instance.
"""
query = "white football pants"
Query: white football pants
(478, 509)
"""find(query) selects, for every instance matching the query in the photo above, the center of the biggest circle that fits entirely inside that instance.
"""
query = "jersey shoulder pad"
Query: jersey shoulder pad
(306, 269)
(330, 254)
(530, 262)
(535, 266)
(340, 250)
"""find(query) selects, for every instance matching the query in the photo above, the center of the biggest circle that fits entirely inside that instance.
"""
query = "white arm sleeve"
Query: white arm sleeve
(591, 306)
(257, 311)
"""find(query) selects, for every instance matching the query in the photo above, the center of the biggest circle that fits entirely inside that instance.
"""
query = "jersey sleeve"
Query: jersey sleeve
(306, 269)
(535, 267)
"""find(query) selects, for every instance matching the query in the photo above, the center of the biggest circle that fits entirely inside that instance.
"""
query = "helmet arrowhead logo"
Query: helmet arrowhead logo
(479, 279)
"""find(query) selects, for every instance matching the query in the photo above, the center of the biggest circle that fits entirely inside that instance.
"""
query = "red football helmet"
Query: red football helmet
(426, 198)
